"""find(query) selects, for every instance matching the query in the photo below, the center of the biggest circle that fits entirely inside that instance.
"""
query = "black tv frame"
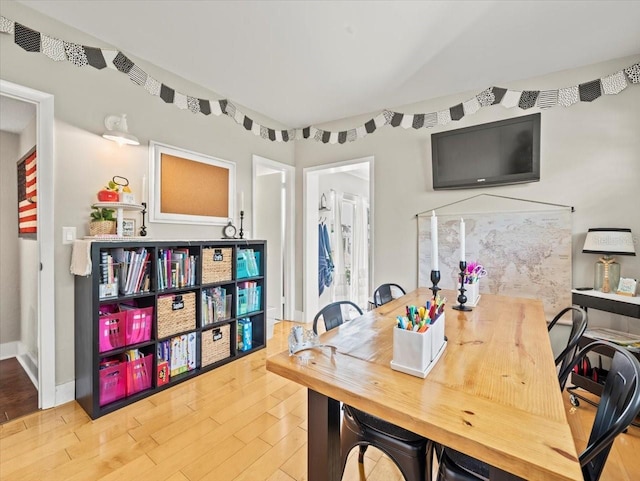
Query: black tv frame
(507, 179)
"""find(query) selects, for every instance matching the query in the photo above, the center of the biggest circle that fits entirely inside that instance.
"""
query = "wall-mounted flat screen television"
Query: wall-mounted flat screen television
(497, 153)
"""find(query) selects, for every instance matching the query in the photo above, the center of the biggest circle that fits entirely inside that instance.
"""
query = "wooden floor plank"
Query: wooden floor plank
(192, 432)
(18, 395)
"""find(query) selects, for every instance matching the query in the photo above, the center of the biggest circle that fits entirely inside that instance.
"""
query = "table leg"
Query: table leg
(323, 444)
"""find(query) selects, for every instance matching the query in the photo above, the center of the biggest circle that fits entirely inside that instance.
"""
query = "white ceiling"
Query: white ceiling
(307, 62)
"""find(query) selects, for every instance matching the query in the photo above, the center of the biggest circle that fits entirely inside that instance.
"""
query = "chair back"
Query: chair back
(332, 314)
(618, 407)
(578, 326)
(384, 293)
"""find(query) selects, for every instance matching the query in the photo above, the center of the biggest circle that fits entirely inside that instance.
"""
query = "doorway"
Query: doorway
(337, 234)
(273, 219)
(42, 372)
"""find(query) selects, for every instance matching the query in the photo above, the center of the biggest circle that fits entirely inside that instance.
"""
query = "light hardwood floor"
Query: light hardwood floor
(236, 423)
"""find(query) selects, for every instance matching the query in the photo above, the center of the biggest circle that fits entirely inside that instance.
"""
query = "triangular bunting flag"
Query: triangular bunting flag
(352, 135)
(256, 129)
(396, 119)
(272, 134)
(388, 115)
(230, 110)
(430, 119)
(486, 97)
(285, 135)
(471, 106)
(223, 105)
(370, 126)
(95, 57)
(418, 121)
(568, 96)
(342, 137)
(152, 86)
(26, 38)
(444, 117)
(457, 112)
(589, 91)
(264, 132)
(193, 104)
(306, 132)
(333, 138)
(215, 108)
(205, 106)
(53, 48)
(137, 75)
(180, 101)
(528, 99)
(167, 94)
(75, 54)
(248, 123)
(122, 63)
(614, 84)
(407, 121)
(380, 120)
(361, 132)
(548, 99)
(279, 135)
(511, 98)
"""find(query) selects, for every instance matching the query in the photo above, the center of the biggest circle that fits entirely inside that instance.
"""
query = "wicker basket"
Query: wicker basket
(216, 344)
(176, 313)
(101, 227)
(216, 264)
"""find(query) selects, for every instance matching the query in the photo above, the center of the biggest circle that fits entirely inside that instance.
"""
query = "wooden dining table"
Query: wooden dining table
(493, 394)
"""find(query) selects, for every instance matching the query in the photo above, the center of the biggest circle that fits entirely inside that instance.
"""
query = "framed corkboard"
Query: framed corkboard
(188, 187)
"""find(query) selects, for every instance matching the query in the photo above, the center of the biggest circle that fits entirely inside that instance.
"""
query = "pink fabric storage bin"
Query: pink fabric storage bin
(139, 374)
(139, 323)
(113, 383)
(112, 331)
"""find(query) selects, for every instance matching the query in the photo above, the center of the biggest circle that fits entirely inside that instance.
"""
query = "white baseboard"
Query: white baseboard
(65, 393)
(10, 349)
(30, 367)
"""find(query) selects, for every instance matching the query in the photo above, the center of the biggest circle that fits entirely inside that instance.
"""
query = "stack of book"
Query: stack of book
(134, 269)
(176, 268)
(214, 305)
(249, 294)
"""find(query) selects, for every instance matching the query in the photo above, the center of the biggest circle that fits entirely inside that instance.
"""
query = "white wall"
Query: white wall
(84, 161)
(9, 270)
(589, 159)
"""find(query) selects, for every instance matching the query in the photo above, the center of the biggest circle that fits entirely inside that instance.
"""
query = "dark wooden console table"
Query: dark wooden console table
(608, 302)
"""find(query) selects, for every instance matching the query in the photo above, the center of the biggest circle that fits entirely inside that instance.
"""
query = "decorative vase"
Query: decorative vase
(102, 227)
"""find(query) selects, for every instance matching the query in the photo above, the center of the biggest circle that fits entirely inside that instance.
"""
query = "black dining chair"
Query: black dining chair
(619, 405)
(335, 314)
(578, 326)
(406, 449)
(386, 293)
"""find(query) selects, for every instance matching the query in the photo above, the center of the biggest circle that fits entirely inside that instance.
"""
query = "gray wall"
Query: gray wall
(589, 159)
(9, 299)
(84, 161)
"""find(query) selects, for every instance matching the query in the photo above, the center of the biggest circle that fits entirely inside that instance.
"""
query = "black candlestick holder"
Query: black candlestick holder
(462, 298)
(241, 233)
(435, 278)
(143, 228)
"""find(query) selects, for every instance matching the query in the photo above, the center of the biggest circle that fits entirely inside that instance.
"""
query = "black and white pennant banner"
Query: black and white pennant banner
(81, 55)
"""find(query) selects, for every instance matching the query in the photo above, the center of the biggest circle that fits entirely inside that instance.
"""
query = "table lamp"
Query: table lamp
(608, 241)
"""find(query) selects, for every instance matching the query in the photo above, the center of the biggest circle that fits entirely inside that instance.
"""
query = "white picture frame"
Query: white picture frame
(128, 227)
(177, 203)
(627, 287)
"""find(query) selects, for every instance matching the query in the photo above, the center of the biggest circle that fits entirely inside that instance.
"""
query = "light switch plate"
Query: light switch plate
(68, 235)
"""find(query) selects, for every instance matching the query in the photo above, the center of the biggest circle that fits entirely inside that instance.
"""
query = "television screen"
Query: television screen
(497, 153)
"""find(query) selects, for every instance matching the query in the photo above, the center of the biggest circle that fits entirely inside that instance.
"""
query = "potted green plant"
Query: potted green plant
(102, 221)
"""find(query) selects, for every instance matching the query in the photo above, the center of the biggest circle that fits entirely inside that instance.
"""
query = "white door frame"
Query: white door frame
(46, 285)
(311, 196)
(289, 234)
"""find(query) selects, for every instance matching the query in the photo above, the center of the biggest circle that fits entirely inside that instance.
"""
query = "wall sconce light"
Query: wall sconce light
(118, 131)
(608, 241)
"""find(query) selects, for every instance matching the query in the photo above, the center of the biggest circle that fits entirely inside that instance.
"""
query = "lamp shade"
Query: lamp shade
(118, 131)
(609, 241)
